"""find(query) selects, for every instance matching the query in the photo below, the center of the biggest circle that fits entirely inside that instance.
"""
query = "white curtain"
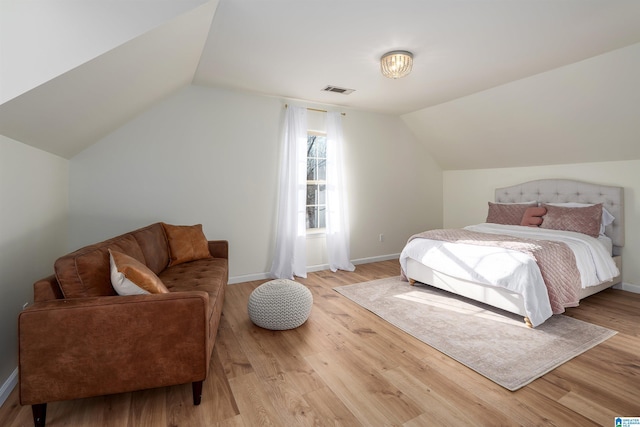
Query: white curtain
(338, 252)
(290, 254)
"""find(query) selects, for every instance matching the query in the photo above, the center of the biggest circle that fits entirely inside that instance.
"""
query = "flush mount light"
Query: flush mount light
(396, 64)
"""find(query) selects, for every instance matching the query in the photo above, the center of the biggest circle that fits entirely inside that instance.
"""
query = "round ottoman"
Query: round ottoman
(280, 304)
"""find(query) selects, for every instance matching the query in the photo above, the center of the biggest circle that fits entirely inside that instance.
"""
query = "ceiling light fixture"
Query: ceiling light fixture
(396, 64)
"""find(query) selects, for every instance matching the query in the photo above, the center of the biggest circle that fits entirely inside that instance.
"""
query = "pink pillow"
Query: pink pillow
(533, 216)
(507, 213)
(581, 220)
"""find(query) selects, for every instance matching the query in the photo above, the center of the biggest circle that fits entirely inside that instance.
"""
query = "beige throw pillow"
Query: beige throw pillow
(131, 277)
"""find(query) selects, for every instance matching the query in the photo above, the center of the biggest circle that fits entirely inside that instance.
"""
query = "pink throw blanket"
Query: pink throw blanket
(555, 259)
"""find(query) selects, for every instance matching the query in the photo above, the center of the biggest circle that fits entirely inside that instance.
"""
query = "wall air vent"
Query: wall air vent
(337, 89)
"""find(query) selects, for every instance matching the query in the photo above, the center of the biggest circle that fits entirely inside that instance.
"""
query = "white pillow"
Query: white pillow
(121, 284)
(607, 218)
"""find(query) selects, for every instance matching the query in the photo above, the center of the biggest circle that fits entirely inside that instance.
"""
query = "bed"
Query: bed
(511, 280)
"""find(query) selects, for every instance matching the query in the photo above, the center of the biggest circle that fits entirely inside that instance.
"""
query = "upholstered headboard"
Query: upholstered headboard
(566, 190)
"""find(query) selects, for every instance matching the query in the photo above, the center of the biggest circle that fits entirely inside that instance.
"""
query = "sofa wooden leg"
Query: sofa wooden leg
(197, 392)
(39, 414)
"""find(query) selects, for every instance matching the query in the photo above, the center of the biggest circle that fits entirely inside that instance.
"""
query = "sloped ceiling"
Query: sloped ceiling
(580, 113)
(294, 48)
(42, 39)
(73, 110)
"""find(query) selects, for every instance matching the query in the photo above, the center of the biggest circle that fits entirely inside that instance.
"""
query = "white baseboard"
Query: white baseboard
(376, 259)
(311, 268)
(628, 287)
(248, 278)
(359, 261)
(8, 386)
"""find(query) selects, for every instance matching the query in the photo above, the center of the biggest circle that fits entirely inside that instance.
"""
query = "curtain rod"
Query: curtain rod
(314, 109)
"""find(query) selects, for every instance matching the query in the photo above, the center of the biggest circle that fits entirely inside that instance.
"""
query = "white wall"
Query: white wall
(33, 233)
(466, 193)
(395, 186)
(211, 156)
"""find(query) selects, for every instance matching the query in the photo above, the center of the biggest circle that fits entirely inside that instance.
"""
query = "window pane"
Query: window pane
(321, 170)
(312, 170)
(312, 149)
(312, 194)
(311, 217)
(321, 146)
(321, 194)
(321, 212)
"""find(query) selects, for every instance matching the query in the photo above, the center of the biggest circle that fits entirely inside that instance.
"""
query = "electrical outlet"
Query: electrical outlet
(25, 305)
(381, 237)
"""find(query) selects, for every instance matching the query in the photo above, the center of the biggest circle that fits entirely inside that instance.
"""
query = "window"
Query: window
(316, 180)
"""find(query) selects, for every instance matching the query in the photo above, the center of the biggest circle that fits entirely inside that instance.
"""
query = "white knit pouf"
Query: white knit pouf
(280, 304)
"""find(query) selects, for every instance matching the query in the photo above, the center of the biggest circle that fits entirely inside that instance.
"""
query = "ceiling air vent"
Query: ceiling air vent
(337, 89)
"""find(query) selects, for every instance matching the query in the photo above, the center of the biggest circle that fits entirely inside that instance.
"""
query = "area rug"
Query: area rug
(492, 342)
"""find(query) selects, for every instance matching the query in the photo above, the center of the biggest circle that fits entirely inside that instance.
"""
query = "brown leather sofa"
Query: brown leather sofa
(81, 339)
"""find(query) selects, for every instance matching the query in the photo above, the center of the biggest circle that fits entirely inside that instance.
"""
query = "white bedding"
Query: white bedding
(511, 269)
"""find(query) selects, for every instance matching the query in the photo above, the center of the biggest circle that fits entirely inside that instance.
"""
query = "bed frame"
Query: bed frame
(545, 191)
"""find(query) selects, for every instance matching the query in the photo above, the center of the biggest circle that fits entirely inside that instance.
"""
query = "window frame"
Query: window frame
(315, 230)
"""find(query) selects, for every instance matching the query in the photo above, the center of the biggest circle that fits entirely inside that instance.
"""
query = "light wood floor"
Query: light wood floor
(347, 367)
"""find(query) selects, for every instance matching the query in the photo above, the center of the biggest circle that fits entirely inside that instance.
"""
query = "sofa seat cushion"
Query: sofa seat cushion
(207, 275)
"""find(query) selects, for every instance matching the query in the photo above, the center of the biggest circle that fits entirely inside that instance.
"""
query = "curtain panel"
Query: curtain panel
(291, 235)
(338, 236)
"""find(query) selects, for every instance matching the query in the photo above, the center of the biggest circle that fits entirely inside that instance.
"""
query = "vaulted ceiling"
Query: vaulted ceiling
(72, 71)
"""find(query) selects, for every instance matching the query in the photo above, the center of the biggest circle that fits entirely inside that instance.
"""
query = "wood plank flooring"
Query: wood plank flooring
(347, 367)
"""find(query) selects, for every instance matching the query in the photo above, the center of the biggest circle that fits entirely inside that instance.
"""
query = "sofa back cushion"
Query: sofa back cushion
(154, 245)
(86, 272)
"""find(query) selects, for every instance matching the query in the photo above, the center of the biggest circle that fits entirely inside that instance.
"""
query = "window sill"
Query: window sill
(316, 233)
